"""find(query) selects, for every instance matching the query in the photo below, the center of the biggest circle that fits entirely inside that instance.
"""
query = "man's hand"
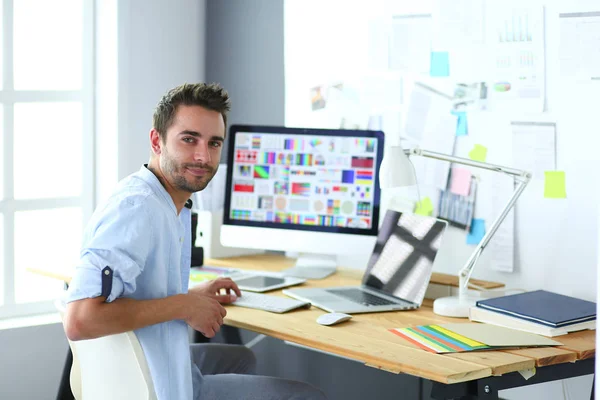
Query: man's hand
(204, 314)
(215, 287)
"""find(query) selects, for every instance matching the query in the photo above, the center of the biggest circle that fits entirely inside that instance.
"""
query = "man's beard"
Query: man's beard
(178, 179)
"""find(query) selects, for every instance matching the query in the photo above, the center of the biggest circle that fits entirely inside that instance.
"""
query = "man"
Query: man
(135, 262)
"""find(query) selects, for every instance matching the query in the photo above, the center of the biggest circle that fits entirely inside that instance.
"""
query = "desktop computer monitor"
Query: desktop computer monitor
(310, 191)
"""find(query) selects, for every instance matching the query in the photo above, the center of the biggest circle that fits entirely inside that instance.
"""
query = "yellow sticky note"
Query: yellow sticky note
(424, 207)
(554, 186)
(479, 153)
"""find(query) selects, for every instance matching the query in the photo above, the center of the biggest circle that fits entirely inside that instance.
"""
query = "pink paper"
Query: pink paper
(460, 183)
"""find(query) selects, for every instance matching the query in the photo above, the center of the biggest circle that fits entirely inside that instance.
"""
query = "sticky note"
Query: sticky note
(461, 123)
(479, 153)
(460, 181)
(554, 185)
(439, 64)
(477, 231)
(424, 207)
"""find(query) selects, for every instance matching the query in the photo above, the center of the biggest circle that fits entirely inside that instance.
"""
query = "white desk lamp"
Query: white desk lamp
(397, 171)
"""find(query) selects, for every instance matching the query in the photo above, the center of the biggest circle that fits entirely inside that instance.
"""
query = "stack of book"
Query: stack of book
(541, 312)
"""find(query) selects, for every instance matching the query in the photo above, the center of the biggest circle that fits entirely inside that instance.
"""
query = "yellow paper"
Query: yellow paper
(424, 207)
(554, 186)
(460, 338)
(479, 153)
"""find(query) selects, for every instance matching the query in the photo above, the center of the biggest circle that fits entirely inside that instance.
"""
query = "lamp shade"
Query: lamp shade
(396, 170)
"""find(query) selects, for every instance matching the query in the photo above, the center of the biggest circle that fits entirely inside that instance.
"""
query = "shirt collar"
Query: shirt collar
(148, 176)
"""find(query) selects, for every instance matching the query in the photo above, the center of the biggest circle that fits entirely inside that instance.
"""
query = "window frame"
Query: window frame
(8, 205)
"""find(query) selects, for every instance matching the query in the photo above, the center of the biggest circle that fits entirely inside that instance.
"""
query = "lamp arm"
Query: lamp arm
(523, 178)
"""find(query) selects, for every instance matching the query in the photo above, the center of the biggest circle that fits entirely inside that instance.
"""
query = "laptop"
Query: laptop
(398, 271)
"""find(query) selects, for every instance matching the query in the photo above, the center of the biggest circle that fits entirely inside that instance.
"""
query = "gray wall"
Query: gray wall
(244, 52)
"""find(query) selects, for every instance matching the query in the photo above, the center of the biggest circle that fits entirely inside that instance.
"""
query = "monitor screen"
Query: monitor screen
(303, 179)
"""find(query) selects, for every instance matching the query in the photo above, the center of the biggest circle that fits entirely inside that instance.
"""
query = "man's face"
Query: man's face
(191, 152)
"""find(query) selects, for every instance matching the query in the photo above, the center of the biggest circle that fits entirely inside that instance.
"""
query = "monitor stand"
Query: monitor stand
(312, 266)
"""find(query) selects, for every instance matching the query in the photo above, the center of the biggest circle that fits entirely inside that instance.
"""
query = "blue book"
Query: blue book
(546, 308)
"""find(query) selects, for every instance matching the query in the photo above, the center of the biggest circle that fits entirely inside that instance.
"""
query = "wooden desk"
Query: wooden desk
(365, 338)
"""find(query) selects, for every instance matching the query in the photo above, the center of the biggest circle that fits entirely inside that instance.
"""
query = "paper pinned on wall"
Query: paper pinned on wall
(515, 41)
(424, 207)
(479, 153)
(555, 185)
(462, 128)
(416, 115)
(502, 244)
(440, 64)
(410, 43)
(579, 50)
(459, 26)
(460, 181)
(439, 138)
(477, 231)
(534, 147)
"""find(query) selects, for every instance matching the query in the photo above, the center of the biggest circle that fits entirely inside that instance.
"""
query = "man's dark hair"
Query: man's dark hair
(211, 96)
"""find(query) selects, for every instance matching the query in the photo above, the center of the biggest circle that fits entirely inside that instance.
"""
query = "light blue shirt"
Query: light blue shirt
(138, 234)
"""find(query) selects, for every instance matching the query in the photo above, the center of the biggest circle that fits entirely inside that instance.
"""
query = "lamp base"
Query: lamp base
(453, 306)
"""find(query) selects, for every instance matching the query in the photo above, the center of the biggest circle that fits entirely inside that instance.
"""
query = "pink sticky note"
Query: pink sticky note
(460, 182)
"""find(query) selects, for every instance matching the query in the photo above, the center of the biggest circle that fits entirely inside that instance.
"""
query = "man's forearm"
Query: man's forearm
(93, 318)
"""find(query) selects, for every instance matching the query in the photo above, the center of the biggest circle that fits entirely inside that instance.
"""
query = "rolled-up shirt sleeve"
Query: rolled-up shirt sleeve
(119, 237)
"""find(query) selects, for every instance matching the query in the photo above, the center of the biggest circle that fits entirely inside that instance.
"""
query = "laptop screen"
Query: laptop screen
(402, 260)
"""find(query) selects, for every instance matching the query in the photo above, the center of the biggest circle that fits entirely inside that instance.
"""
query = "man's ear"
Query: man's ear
(155, 142)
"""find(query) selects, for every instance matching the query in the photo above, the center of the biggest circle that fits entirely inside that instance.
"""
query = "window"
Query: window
(46, 139)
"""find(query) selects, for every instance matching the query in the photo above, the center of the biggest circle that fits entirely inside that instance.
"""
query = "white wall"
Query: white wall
(147, 47)
(556, 240)
(161, 44)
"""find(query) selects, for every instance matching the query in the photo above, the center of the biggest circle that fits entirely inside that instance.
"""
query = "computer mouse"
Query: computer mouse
(333, 318)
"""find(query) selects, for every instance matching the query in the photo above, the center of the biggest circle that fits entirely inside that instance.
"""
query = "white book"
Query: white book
(478, 314)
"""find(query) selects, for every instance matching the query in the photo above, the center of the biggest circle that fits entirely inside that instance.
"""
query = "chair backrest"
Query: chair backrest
(110, 367)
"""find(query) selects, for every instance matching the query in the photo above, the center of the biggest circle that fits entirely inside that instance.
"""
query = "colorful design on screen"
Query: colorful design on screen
(268, 157)
(363, 209)
(261, 172)
(247, 187)
(333, 207)
(301, 189)
(362, 162)
(246, 156)
(244, 215)
(293, 144)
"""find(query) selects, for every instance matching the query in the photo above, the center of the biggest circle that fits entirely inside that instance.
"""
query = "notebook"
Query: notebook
(479, 314)
(398, 271)
(542, 307)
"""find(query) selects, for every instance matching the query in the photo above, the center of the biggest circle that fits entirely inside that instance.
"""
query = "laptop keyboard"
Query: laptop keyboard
(267, 302)
(361, 297)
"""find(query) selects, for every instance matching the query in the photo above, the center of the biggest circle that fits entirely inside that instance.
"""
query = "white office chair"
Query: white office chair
(111, 367)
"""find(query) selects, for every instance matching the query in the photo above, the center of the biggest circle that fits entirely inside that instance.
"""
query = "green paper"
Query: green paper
(554, 185)
(479, 153)
(424, 207)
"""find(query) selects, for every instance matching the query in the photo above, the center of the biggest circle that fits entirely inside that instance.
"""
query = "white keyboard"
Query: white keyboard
(267, 302)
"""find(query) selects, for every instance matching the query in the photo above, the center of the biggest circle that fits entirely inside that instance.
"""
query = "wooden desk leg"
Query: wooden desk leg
(64, 389)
